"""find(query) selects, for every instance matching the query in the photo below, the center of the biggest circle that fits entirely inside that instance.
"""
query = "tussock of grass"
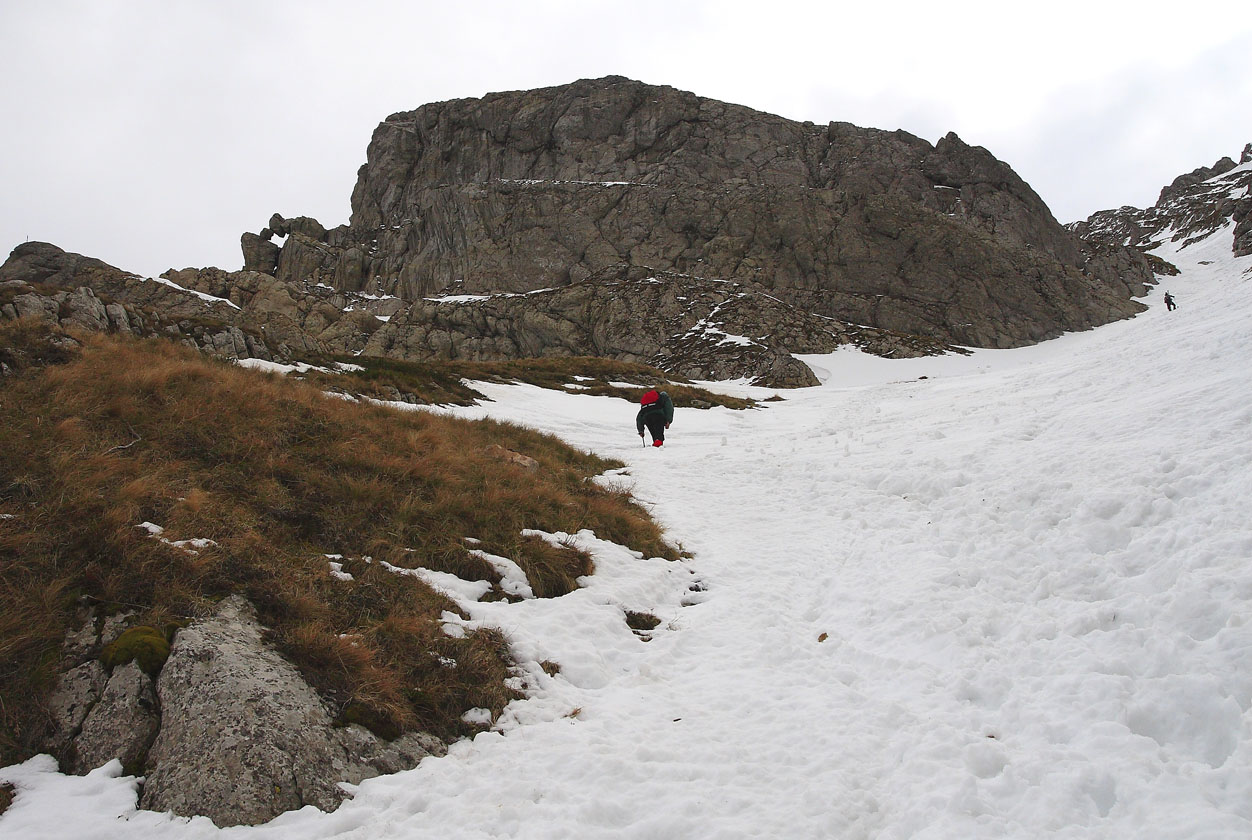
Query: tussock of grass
(277, 476)
(28, 343)
(440, 382)
(641, 621)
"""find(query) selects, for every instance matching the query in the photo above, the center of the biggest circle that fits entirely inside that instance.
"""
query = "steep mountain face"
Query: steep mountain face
(534, 189)
(612, 218)
(1193, 206)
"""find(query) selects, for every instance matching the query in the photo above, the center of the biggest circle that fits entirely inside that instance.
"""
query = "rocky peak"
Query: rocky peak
(526, 190)
(618, 132)
(1192, 207)
(1183, 183)
(530, 200)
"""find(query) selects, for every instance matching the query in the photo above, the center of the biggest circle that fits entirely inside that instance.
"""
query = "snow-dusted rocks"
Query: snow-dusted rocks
(693, 327)
(42, 281)
(1193, 207)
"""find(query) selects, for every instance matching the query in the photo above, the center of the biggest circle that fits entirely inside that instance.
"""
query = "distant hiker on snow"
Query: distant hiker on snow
(656, 412)
(1169, 302)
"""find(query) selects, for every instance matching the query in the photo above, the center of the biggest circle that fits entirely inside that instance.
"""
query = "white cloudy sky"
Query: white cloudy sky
(151, 133)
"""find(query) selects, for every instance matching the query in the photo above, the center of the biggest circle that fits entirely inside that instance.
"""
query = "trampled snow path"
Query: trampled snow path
(1010, 599)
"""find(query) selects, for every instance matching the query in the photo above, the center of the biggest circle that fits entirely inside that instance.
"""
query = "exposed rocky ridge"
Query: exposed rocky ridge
(228, 730)
(689, 326)
(538, 189)
(1194, 206)
(630, 314)
(44, 282)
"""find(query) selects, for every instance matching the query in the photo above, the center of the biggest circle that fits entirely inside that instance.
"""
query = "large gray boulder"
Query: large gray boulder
(259, 253)
(244, 738)
(230, 730)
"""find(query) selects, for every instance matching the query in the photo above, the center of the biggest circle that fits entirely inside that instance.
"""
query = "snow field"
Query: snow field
(1006, 600)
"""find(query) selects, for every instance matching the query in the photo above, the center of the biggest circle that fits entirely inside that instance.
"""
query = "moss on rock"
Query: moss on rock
(144, 645)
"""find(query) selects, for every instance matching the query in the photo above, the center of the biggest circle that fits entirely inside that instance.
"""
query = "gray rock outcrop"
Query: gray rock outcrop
(243, 737)
(538, 203)
(121, 724)
(230, 730)
(40, 280)
(677, 322)
(689, 326)
(536, 189)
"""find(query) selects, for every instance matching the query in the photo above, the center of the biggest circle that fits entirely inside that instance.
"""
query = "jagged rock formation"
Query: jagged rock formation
(229, 730)
(537, 189)
(44, 282)
(688, 326)
(608, 217)
(676, 322)
(1191, 208)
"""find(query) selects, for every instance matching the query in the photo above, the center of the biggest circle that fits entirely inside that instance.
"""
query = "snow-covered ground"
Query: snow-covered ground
(1002, 596)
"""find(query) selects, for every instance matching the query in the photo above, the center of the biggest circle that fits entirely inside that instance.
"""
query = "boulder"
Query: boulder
(259, 253)
(77, 691)
(304, 258)
(121, 724)
(243, 737)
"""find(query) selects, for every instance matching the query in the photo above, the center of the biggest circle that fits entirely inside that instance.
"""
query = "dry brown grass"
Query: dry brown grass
(439, 382)
(277, 475)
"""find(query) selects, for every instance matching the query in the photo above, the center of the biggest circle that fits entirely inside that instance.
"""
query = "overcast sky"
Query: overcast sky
(152, 133)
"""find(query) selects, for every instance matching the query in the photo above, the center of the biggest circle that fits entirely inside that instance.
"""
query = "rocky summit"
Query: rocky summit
(614, 218)
(544, 188)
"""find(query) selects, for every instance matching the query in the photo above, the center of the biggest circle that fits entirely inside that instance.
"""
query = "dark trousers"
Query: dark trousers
(656, 425)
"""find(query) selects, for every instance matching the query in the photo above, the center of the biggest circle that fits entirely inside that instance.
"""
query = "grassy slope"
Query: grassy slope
(97, 441)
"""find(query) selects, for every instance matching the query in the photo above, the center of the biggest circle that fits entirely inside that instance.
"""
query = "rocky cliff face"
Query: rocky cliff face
(612, 218)
(692, 327)
(535, 189)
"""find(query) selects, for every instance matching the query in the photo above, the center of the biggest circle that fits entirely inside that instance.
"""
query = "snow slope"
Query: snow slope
(1002, 596)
